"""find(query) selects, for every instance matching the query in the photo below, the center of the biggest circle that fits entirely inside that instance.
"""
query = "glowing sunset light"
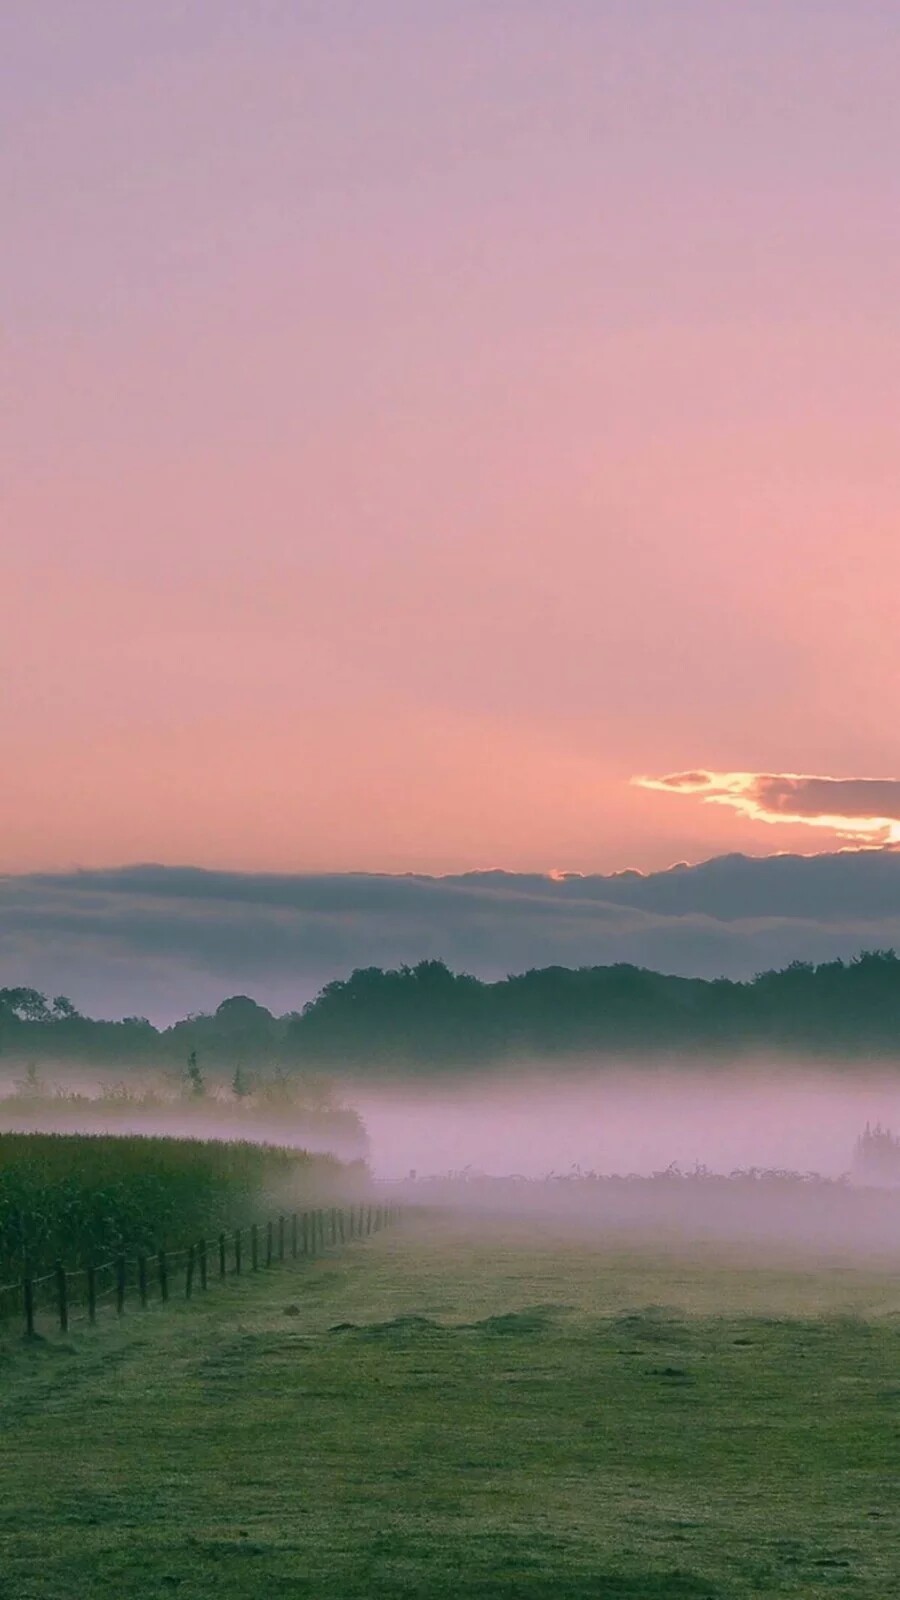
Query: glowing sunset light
(862, 809)
(427, 417)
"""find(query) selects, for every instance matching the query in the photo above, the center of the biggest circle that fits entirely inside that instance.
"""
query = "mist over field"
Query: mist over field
(763, 1159)
(530, 1119)
(545, 1119)
(269, 1128)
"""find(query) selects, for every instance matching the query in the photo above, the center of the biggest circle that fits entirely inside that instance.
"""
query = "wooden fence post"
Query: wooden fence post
(92, 1293)
(189, 1273)
(281, 1238)
(341, 1225)
(333, 1223)
(163, 1276)
(62, 1297)
(269, 1243)
(201, 1253)
(237, 1251)
(221, 1255)
(306, 1249)
(120, 1286)
(294, 1240)
(142, 1281)
(254, 1248)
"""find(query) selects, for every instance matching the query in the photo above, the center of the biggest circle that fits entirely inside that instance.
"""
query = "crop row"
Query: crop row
(80, 1197)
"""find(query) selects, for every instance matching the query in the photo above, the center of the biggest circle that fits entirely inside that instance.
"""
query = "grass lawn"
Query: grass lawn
(467, 1410)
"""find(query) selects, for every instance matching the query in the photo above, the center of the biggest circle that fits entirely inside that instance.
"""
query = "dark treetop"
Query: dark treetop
(427, 1016)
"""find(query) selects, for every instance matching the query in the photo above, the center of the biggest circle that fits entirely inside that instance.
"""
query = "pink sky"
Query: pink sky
(422, 419)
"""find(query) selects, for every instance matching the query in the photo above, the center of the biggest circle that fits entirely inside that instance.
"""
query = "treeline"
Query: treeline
(427, 1016)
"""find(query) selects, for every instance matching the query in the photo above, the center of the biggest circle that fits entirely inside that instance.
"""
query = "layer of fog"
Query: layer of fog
(478, 1141)
(682, 1133)
(536, 1119)
(77, 1100)
(545, 1120)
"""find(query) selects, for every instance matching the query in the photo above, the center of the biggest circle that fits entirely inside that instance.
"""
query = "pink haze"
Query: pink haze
(421, 420)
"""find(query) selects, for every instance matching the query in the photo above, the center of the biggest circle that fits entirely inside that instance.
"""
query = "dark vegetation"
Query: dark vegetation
(300, 1109)
(76, 1198)
(426, 1015)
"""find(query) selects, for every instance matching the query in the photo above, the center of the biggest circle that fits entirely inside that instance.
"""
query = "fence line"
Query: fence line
(68, 1294)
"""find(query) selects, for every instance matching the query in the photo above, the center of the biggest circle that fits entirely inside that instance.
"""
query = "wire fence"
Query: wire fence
(67, 1296)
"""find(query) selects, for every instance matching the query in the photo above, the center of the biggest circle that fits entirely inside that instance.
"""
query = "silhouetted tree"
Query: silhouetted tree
(194, 1076)
(427, 1017)
(241, 1086)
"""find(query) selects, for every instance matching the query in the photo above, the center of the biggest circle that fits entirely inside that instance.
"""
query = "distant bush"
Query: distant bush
(876, 1158)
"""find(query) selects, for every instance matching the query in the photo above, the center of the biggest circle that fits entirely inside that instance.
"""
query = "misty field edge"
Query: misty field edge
(320, 1228)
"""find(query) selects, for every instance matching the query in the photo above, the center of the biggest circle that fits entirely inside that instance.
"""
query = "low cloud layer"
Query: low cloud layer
(858, 809)
(163, 941)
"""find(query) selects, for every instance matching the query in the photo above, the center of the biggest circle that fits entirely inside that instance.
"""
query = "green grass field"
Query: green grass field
(466, 1410)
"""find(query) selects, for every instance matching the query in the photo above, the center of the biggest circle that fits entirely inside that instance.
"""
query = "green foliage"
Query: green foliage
(194, 1080)
(241, 1084)
(81, 1197)
(424, 1015)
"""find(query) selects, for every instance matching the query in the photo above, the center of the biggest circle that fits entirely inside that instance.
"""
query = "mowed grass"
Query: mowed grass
(476, 1410)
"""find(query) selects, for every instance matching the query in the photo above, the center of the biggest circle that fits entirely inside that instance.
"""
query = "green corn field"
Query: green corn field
(78, 1197)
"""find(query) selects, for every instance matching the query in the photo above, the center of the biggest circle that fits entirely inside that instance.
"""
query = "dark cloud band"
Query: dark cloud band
(162, 941)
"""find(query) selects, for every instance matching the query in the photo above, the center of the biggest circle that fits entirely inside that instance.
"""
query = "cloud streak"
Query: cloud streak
(862, 810)
(162, 941)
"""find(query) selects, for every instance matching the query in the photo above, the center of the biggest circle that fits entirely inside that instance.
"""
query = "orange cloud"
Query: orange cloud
(865, 810)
